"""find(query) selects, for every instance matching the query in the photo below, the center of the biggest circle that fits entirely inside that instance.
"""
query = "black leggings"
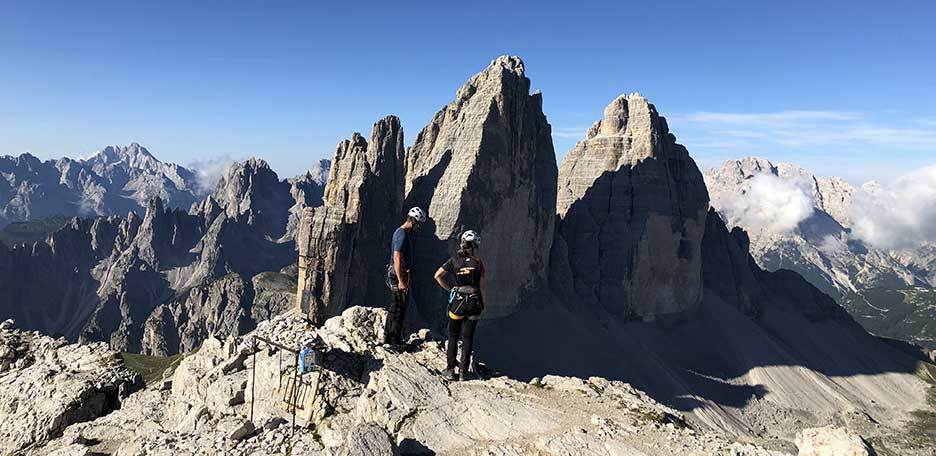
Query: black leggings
(393, 331)
(463, 329)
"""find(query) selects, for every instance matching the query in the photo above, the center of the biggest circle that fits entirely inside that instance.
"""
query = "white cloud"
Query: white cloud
(769, 118)
(771, 203)
(897, 215)
(209, 171)
(569, 132)
(801, 130)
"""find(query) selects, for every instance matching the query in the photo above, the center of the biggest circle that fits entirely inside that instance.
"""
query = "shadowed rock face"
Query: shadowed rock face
(632, 205)
(486, 162)
(252, 190)
(344, 244)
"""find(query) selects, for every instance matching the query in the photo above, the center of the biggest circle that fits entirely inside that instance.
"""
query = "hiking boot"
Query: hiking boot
(450, 374)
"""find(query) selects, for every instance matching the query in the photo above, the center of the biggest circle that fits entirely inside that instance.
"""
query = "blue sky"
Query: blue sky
(845, 88)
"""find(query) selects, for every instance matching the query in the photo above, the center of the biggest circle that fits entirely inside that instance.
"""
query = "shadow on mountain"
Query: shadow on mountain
(754, 334)
(430, 252)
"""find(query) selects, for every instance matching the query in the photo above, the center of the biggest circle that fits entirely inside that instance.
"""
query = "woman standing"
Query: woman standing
(465, 301)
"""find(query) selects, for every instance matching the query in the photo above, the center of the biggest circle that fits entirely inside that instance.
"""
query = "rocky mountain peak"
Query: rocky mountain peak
(361, 208)
(630, 182)
(486, 162)
(133, 156)
(318, 173)
(252, 189)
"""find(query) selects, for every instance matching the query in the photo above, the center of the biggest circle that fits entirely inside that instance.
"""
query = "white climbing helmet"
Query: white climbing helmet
(417, 214)
(471, 236)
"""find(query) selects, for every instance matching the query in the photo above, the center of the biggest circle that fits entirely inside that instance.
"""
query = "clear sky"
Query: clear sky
(845, 88)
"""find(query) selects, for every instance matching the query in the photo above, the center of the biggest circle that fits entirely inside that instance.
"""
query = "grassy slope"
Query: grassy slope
(151, 368)
(31, 231)
(907, 314)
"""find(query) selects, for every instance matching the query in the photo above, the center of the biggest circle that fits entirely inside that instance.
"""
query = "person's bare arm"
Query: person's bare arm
(440, 279)
(398, 270)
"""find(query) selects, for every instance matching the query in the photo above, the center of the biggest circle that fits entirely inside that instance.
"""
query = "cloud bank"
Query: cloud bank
(899, 215)
(209, 171)
(770, 203)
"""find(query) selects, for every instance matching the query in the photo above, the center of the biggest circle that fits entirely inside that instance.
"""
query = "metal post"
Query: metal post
(295, 405)
(253, 381)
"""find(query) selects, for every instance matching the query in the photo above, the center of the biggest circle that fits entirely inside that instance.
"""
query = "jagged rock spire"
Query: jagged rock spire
(342, 244)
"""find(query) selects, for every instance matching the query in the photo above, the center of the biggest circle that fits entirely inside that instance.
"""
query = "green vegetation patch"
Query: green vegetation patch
(907, 314)
(31, 231)
(151, 368)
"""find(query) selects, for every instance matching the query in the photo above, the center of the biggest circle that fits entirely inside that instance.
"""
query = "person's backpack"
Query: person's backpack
(465, 301)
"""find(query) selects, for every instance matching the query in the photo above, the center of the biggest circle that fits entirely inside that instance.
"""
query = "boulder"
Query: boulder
(632, 205)
(55, 386)
(829, 441)
(368, 439)
(236, 429)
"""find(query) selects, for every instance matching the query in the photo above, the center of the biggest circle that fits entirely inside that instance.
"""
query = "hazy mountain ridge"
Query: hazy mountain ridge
(114, 181)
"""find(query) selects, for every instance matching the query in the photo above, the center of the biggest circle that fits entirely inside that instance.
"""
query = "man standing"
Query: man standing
(400, 276)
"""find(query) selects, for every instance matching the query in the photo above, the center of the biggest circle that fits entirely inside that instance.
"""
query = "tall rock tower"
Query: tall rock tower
(344, 244)
(486, 162)
(632, 205)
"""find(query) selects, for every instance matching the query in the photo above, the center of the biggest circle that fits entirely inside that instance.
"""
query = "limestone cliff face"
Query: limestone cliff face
(344, 244)
(632, 205)
(486, 162)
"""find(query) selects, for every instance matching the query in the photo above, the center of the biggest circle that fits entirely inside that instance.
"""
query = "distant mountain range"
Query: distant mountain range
(114, 181)
(804, 223)
(165, 273)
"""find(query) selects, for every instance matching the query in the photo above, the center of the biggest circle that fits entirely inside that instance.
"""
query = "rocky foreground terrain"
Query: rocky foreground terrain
(366, 401)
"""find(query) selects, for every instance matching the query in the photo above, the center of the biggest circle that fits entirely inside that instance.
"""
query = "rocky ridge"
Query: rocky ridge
(47, 385)
(371, 401)
(114, 181)
(820, 247)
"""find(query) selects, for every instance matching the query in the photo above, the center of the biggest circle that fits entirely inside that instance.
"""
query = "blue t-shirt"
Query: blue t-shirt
(401, 243)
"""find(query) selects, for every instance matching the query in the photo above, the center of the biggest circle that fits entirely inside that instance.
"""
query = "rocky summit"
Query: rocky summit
(368, 401)
(343, 243)
(486, 162)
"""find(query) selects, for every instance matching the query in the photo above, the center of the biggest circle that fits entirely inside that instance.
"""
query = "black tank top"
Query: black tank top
(467, 270)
